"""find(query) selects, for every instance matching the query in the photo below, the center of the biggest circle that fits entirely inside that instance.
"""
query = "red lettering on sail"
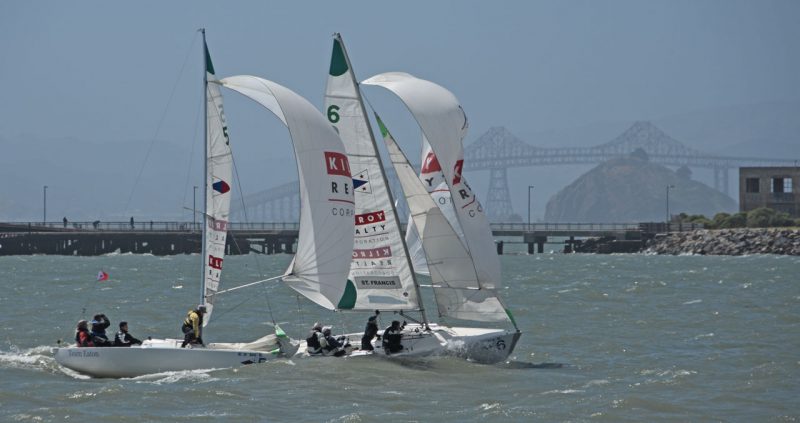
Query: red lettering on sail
(217, 225)
(337, 163)
(457, 171)
(430, 164)
(215, 262)
(369, 218)
(372, 253)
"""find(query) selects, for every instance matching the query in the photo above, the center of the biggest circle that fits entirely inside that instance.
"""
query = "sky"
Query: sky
(101, 99)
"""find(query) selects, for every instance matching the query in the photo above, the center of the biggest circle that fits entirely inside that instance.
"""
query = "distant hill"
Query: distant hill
(633, 189)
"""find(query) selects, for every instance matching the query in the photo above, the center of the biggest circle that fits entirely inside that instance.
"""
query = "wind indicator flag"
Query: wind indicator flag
(102, 276)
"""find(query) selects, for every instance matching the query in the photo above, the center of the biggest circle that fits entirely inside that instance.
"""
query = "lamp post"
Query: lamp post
(44, 213)
(194, 209)
(530, 187)
(669, 187)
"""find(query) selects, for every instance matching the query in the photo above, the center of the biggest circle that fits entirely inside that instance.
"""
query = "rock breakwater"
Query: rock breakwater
(730, 242)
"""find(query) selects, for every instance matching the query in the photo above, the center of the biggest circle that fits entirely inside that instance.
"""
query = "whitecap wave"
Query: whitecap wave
(166, 378)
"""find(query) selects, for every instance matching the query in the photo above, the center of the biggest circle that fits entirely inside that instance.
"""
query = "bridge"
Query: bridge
(498, 150)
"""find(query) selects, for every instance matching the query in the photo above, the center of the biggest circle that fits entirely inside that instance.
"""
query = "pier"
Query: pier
(157, 238)
(170, 238)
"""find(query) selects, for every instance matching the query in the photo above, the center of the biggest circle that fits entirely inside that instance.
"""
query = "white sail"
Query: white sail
(444, 125)
(325, 240)
(380, 271)
(452, 269)
(430, 173)
(218, 181)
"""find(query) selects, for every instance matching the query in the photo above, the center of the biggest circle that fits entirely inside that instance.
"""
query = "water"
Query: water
(606, 338)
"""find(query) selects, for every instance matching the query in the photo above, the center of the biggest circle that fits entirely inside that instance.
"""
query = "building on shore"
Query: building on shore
(775, 187)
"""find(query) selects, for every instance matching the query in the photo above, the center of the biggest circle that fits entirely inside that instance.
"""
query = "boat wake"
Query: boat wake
(167, 378)
(38, 358)
(528, 365)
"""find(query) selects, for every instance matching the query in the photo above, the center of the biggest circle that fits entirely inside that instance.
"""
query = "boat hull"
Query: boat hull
(138, 361)
(480, 345)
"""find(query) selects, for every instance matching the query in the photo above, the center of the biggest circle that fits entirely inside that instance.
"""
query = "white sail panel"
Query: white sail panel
(432, 178)
(380, 270)
(451, 267)
(444, 125)
(219, 170)
(325, 240)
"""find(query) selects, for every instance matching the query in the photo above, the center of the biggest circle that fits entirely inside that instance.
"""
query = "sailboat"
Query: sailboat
(326, 222)
(381, 274)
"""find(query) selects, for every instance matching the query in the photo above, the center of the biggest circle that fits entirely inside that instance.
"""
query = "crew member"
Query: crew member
(313, 345)
(123, 338)
(370, 331)
(82, 336)
(392, 337)
(332, 345)
(193, 326)
(99, 325)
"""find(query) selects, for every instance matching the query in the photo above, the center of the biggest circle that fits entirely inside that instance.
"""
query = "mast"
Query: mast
(338, 38)
(203, 253)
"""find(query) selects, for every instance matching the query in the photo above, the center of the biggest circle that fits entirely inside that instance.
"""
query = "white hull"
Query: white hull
(154, 357)
(481, 345)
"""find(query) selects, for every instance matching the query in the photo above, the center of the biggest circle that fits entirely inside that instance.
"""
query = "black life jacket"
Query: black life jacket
(312, 342)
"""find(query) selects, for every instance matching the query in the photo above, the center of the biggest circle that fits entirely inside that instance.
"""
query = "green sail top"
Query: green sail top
(338, 62)
(209, 65)
(384, 131)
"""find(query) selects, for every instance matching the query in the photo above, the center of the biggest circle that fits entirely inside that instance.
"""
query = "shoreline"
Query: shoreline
(727, 242)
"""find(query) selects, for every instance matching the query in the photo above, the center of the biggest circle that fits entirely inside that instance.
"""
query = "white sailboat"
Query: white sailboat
(381, 275)
(325, 227)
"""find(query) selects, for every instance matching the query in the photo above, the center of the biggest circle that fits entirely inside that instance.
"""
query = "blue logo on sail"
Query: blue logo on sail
(221, 187)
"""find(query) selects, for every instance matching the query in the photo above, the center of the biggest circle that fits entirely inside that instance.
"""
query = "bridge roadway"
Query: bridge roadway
(169, 238)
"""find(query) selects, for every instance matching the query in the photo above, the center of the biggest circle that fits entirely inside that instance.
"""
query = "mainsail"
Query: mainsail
(380, 271)
(218, 174)
(452, 268)
(325, 239)
(444, 125)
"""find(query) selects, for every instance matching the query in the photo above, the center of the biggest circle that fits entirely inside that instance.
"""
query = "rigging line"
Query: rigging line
(191, 156)
(160, 123)
(247, 221)
(228, 310)
(249, 284)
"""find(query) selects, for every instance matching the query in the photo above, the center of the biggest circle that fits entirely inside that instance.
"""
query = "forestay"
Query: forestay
(380, 271)
(451, 267)
(444, 125)
(325, 239)
(219, 164)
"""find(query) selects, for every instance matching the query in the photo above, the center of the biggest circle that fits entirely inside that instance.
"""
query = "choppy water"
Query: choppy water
(640, 338)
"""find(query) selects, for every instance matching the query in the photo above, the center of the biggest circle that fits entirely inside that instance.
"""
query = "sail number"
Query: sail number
(333, 114)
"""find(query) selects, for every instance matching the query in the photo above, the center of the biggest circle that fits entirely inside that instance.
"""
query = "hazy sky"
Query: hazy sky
(120, 72)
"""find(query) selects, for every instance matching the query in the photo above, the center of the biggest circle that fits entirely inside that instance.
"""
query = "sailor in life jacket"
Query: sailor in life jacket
(123, 338)
(82, 336)
(99, 325)
(392, 337)
(330, 345)
(193, 326)
(314, 340)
